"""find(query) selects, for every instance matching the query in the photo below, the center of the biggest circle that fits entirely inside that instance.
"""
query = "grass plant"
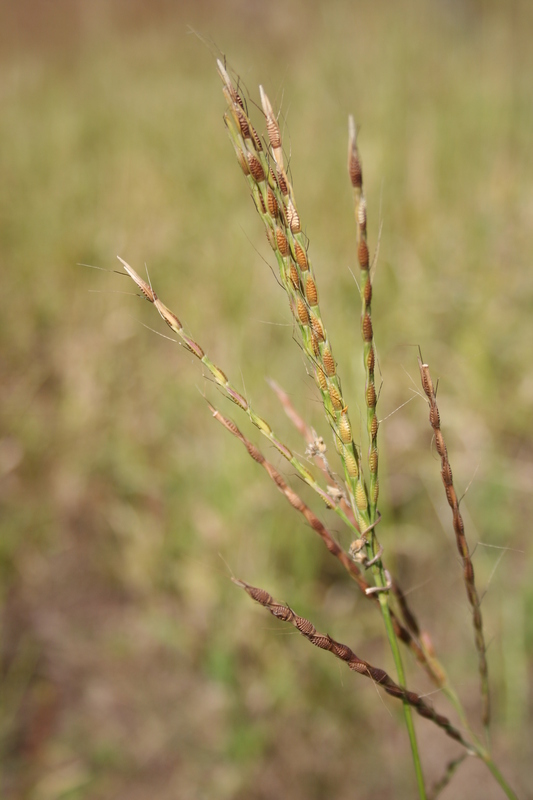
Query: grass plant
(351, 493)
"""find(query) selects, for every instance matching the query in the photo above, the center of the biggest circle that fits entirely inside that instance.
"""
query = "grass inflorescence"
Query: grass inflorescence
(354, 496)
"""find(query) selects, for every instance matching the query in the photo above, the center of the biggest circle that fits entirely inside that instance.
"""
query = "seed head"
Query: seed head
(354, 163)
(328, 362)
(283, 244)
(303, 314)
(367, 328)
(301, 257)
(256, 168)
(311, 291)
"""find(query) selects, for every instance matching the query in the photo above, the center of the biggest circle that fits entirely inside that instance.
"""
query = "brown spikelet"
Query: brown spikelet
(256, 168)
(370, 360)
(311, 291)
(374, 427)
(283, 244)
(295, 278)
(321, 379)
(242, 122)
(367, 292)
(318, 328)
(273, 133)
(350, 463)
(373, 461)
(257, 139)
(362, 254)
(446, 473)
(427, 383)
(434, 417)
(282, 183)
(303, 314)
(355, 170)
(272, 203)
(462, 545)
(345, 429)
(301, 257)
(261, 202)
(371, 396)
(335, 397)
(315, 344)
(328, 362)
(439, 444)
(367, 328)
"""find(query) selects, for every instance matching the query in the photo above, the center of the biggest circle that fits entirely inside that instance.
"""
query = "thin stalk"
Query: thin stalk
(373, 549)
(408, 716)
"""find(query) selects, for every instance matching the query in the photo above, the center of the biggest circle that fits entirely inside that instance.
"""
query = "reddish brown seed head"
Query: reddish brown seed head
(282, 183)
(301, 256)
(283, 244)
(322, 641)
(256, 138)
(259, 595)
(446, 473)
(439, 444)
(281, 612)
(262, 206)
(242, 122)
(315, 344)
(434, 416)
(427, 383)
(367, 292)
(321, 379)
(304, 626)
(295, 278)
(371, 396)
(272, 203)
(335, 397)
(255, 453)
(342, 651)
(273, 133)
(362, 254)
(451, 496)
(367, 328)
(256, 169)
(303, 314)
(328, 362)
(374, 425)
(318, 328)
(311, 291)
(345, 429)
(468, 572)
(458, 524)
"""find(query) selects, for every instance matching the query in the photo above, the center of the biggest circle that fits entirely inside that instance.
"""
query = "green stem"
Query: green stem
(485, 757)
(407, 711)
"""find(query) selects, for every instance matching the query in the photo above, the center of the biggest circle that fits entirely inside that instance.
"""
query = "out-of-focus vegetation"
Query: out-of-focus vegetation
(131, 666)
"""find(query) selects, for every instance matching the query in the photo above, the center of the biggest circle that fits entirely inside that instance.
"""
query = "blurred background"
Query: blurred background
(131, 666)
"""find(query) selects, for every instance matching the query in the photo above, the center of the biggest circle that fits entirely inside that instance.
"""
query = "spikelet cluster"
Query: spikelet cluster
(273, 195)
(460, 538)
(344, 653)
(355, 172)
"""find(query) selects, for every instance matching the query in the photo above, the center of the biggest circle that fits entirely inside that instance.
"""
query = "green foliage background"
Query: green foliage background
(131, 666)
